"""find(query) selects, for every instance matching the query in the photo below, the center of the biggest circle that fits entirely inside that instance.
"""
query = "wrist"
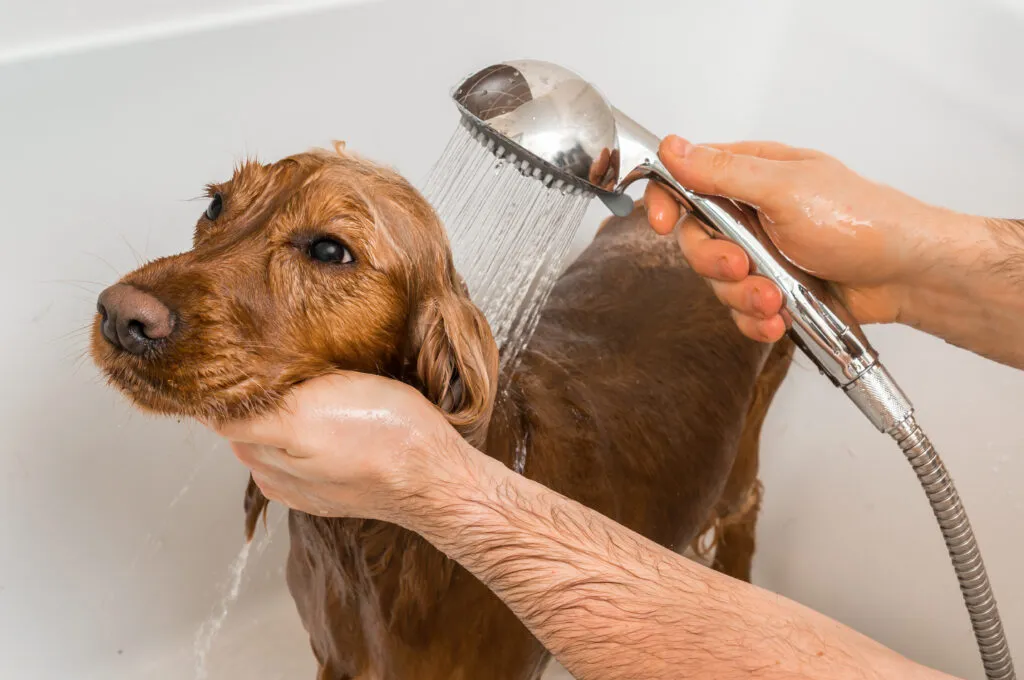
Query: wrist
(968, 291)
(922, 254)
(949, 259)
(937, 253)
(951, 248)
(435, 484)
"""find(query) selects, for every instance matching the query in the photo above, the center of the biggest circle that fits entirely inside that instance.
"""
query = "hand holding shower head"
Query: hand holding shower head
(559, 129)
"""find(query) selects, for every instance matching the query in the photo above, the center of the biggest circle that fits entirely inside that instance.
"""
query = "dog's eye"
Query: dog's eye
(330, 251)
(216, 205)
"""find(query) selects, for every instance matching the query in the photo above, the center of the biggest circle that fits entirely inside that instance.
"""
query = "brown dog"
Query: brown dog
(637, 396)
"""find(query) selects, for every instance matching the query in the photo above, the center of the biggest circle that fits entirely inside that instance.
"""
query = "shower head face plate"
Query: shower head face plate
(545, 115)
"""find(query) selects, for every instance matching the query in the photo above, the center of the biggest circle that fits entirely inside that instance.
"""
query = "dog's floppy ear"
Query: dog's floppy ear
(457, 360)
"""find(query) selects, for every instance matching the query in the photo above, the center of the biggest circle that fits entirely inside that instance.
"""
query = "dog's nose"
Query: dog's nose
(133, 320)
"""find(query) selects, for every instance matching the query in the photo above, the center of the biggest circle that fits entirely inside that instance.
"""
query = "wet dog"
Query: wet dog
(636, 395)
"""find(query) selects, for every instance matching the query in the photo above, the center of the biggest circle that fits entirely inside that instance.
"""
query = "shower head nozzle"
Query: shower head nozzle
(558, 128)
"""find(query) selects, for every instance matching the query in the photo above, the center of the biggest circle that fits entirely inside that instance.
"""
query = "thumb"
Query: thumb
(707, 170)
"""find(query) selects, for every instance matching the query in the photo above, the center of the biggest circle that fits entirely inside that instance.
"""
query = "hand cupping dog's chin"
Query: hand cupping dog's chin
(351, 445)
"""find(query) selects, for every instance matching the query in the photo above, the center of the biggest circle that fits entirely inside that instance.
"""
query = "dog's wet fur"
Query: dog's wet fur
(637, 395)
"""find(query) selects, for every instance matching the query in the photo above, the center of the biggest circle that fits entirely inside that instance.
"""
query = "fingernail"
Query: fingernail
(765, 336)
(756, 302)
(723, 268)
(679, 146)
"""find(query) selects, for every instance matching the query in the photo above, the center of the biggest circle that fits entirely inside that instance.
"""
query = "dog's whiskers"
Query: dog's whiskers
(117, 274)
(98, 284)
(77, 285)
(74, 333)
(138, 258)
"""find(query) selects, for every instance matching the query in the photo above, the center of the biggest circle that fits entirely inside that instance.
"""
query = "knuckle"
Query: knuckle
(721, 161)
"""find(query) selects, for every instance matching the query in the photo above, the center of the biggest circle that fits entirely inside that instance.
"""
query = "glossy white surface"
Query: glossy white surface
(119, 530)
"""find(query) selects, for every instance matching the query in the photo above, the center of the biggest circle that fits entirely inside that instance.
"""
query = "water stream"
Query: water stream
(208, 631)
(509, 233)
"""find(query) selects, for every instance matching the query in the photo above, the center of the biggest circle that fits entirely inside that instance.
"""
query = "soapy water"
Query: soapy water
(509, 234)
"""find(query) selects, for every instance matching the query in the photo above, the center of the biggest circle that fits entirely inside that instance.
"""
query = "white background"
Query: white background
(118, 530)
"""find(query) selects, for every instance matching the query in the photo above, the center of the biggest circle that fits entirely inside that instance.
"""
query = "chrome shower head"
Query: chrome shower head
(559, 128)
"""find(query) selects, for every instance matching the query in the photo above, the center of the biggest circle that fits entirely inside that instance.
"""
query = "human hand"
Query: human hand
(869, 239)
(348, 445)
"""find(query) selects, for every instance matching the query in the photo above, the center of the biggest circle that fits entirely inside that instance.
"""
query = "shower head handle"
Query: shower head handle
(818, 320)
(557, 127)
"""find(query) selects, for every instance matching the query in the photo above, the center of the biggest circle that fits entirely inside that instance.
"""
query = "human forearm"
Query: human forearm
(611, 604)
(971, 292)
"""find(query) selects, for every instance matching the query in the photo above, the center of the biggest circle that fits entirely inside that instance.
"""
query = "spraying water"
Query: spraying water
(208, 631)
(509, 233)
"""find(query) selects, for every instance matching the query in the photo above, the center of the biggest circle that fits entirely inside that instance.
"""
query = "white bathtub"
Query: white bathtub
(119, 530)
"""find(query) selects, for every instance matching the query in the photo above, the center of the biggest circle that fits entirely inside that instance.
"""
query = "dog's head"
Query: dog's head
(319, 262)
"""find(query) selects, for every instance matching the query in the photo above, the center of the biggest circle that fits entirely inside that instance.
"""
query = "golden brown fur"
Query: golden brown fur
(633, 397)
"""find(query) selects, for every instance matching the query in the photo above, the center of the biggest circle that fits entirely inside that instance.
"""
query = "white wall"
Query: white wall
(119, 530)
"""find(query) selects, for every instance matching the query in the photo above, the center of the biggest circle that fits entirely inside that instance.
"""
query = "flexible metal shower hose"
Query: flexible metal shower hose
(963, 548)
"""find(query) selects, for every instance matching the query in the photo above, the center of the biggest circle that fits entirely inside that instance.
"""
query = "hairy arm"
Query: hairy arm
(610, 604)
(973, 294)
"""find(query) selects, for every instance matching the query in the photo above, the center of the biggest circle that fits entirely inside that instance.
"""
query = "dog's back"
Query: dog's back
(636, 385)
